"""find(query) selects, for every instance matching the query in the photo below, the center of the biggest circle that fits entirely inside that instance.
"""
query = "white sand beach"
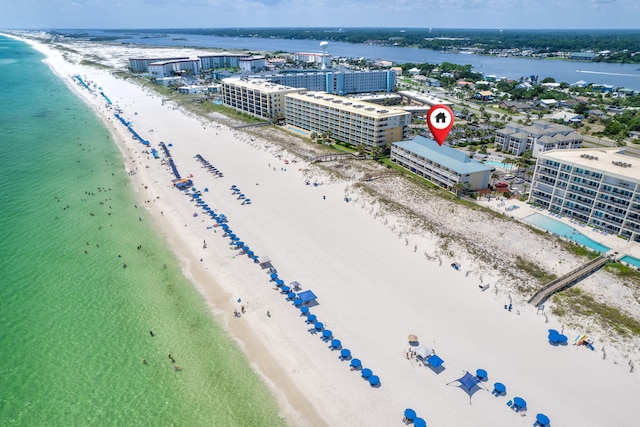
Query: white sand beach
(378, 276)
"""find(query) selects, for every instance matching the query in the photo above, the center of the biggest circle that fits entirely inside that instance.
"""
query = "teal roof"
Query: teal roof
(444, 155)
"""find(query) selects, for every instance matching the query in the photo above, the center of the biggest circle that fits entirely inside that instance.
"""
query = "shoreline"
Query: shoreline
(301, 391)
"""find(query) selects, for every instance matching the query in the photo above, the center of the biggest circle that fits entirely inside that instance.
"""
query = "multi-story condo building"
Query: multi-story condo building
(338, 82)
(442, 165)
(352, 122)
(539, 137)
(312, 57)
(253, 64)
(600, 187)
(221, 60)
(141, 65)
(259, 98)
(169, 68)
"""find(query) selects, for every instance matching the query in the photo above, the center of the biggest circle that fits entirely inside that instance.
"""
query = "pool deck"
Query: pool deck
(616, 244)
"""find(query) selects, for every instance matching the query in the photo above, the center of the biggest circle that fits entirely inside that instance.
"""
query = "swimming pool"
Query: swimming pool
(631, 261)
(563, 230)
(299, 131)
(500, 165)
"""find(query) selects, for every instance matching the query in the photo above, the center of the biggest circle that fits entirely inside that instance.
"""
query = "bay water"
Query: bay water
(85, 280)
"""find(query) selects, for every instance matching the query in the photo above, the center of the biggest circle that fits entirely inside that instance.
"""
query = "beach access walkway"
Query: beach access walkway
(569, 279)
(253, 125)
(337, 156)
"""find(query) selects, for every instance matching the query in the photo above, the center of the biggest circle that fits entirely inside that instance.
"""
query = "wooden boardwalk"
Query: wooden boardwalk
(568, 279)
(337, 156)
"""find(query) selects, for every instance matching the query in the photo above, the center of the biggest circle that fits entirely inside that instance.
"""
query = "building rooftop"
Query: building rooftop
(264, 86)
(348, 104)
(444, 155)
(612, 161)
(425, 99)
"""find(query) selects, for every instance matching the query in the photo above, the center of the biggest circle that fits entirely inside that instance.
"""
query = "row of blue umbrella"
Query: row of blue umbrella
(327, 335)
(336, 344)
(165, 149)
(237, 192)
(209, 166)
(128, 125)
(222, 222)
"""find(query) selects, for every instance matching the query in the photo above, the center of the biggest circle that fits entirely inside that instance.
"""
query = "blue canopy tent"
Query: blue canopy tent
(469, 383)
(307, 296)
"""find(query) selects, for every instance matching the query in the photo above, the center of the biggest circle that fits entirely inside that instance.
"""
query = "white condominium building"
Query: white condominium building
(312, 57)
(163, 69)
(259, 98)
(353, 122)
(221, 60)
(600, 187)
(539, 137)
(253, 64)
(141, 65)
(338, 82)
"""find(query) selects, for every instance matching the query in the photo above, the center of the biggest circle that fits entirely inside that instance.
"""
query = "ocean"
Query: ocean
(85, 279)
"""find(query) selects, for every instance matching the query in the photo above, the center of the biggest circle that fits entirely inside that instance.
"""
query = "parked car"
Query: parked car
(502, 184)
(519, 181)
(508, 176)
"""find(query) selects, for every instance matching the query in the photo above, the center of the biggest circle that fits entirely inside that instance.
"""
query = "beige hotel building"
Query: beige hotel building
(351, 121)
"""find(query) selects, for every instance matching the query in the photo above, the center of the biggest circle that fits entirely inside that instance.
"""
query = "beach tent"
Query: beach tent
(469, 383)
(307, 296)
(422, 351)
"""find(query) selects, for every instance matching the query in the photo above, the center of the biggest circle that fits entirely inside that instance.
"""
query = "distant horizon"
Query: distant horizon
(318, 28)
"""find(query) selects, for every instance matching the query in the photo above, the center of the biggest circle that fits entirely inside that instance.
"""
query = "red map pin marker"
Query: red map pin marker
(440, 121)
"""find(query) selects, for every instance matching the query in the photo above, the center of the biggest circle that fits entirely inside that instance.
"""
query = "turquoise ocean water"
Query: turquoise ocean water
(74, 323)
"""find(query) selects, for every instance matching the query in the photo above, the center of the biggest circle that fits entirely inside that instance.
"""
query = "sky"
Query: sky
(495, 14)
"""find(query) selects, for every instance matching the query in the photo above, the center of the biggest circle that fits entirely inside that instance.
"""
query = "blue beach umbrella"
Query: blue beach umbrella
(279, 282)
(345, 353)
(327, 333)
(366, 373)
(355, 363)
(319, 326)
(285, 289)
(419, 422)
(409, 414)
(304, 310)
(374, 380)
(543, 420)
(335, 344)
(273, 276)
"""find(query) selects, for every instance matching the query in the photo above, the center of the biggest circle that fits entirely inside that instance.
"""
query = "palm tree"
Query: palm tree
(458, 188)
(494, 177)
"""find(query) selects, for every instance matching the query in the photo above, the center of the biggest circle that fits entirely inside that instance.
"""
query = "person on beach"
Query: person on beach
(242, 309)
(268, 313)
(151, 333)
(144, 361)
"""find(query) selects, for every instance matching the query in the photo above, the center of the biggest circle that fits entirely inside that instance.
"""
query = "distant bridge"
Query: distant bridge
(569, 279)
